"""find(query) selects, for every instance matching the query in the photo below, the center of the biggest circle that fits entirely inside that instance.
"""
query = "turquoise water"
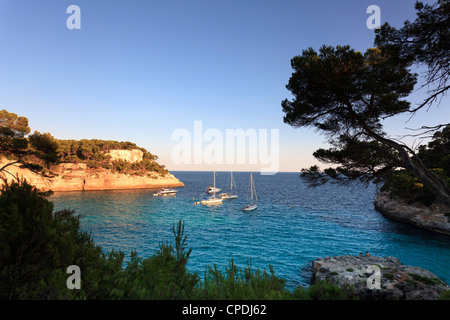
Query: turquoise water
(292, 226)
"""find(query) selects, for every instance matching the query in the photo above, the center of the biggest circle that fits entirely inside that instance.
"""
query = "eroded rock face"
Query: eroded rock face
(378, 278)
(431, 218)
(77, 177)
(131, 156)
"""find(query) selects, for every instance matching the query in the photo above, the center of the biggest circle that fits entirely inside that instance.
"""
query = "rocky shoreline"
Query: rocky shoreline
(380, 278)
(434, 218)
(77, 177)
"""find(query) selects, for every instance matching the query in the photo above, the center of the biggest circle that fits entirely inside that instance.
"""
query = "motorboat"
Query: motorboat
(166, 192)
(211, 200)
(228, 196)
(212, 190)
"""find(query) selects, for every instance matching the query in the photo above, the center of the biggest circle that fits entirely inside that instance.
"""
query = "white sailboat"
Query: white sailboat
(230, 195)
(213, 199)
(251, 206)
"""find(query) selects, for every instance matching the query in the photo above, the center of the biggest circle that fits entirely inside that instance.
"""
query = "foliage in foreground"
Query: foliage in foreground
(242, 284)
(37, 246)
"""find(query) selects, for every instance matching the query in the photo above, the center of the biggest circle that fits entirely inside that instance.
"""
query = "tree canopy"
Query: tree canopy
(45, 145)
(341, 91)
(18, 125)
(424, 41)
(345, 95)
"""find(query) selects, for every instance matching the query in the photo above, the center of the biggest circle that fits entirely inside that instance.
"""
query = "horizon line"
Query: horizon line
(256, 171)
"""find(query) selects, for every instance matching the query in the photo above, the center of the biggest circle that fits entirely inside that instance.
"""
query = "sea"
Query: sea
(293, 225)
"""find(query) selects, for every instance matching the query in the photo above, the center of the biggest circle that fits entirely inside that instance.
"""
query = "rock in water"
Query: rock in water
(384, 278)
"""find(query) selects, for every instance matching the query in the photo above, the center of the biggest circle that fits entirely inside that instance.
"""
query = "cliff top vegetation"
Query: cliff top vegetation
(41, 152)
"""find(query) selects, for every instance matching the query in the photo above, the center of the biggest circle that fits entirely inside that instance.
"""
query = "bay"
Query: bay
(292, 226)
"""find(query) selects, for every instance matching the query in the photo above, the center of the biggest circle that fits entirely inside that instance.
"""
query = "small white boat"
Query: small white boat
(251, 206)
(211, 190)
(212, 200)
(166, 192)
(230, 195)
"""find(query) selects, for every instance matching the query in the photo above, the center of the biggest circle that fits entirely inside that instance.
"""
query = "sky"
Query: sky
(142, 71)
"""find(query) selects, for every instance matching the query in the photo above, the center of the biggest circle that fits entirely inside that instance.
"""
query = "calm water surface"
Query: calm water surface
(292, 226)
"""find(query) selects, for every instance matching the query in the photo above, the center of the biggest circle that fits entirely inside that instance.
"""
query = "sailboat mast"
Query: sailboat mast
(251, 187)
(214, 184)
(254, 189)
(231, 181)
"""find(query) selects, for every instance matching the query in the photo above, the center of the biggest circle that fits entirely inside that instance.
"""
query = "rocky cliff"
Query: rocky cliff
(77, 177)
(433, 218)
(384, 278)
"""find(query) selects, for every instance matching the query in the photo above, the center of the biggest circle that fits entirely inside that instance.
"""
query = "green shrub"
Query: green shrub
(163, 276)
(445, 295)
(389, 276)
(323, 290)
(402, 184)
(37, 246)
(241, 284)
(426, 280)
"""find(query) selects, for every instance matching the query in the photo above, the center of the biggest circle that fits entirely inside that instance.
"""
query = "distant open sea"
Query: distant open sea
(292, 226)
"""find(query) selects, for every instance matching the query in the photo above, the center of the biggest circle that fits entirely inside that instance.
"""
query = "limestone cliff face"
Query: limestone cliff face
(132, 156)
(74, 177)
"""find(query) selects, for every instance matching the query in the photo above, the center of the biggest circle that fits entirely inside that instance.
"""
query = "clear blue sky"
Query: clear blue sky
(138, 70)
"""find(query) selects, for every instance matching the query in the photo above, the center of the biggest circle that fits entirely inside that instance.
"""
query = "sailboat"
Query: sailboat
(251, 206)
(230, 195)
(213, 199)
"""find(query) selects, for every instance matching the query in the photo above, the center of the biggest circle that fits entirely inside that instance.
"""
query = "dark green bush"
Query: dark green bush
(164, 275)
(37, 246)
(445, 295)
(402, 184)
(241, 284)
(322, 290)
